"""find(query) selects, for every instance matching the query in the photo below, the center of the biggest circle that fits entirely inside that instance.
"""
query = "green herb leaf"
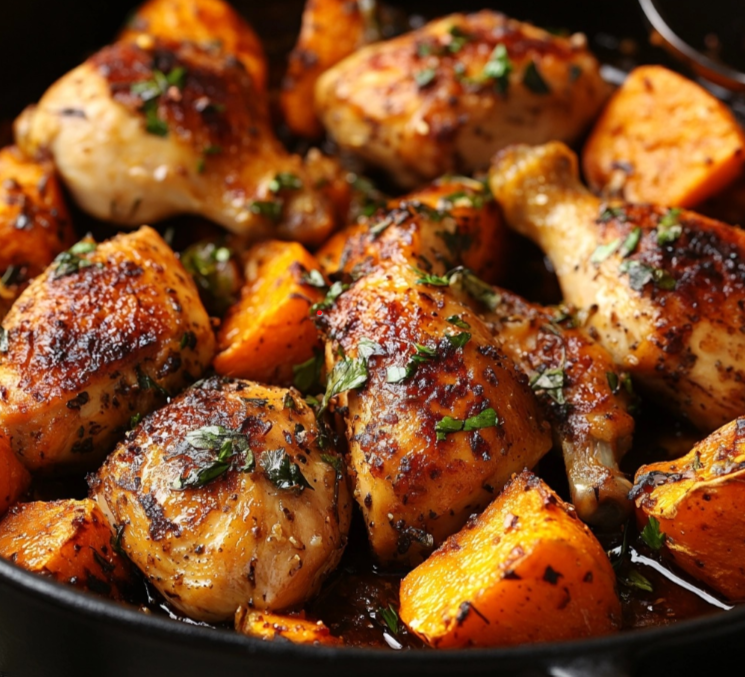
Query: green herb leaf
(652, 535)
(285, 181)
(269, 209)
(282, 472)
(116, 540)
(72, 261)
(640, 274)
(458, 340)
(188, 340)
(314, 278)
(334, 292)
(207, 263)
(396, 374)
(456, 242)
(146, 382)
(486, 419)
(134, 421)
(307, 376)
(366, 348)
(458, 39)
(461, 324)
(433, 280)
(552, 381)
(498, 68)
(669, 228)
(604, 251)
(347, 374)
(425, 77)
(390, 618)
(534, 81)
(476, 288)
(608, 213)
(664, 280)
(613, 382)
(631, 243)
(636, 580)
(288, 402)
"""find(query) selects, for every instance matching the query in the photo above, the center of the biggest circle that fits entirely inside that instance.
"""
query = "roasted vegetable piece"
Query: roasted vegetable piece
(663, 289)
(210, 23)
(106, 333)
(664, 139)
(437, 417)
(158, 128)
(270, 331)
(526, 570)
(698, 502)
(228, 499)
(14, 478)
(295, 629)
(585, 397)
(69, 541)
(34, 223)
(452, 222)
(444, 98)
(331, 30)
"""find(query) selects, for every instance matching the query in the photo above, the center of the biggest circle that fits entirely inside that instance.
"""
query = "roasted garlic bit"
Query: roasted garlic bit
(584, 395)
(295, 629)
(437, 417)
(452, 222)
(449, 95)
(228, 497)
(695, 508)
(525, 570)
(143, 132)
(14, 478)
(662, 288)
(331, 30)
(69, 541)
(269, 334)
(212, 24)
(106, 334)
(34, 223)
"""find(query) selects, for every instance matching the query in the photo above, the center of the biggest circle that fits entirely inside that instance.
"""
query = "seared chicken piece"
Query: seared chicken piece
(452, 222)
(447, 96)
(226, 497)
(583, 395)
(34, 223)
(663, 289)
(140, 134)
(212, 24)
(441, 418)
(105, 334)
(331, 30)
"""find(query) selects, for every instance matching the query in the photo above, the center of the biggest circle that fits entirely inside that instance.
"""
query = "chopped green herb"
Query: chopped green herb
(289, 402)
(433, 280)
(458, 340)
(603, 251)
(72, 261)
(212, 150)
(424, 49)
(134, 421)
(307, 376)
(269, 209)
(640, 274)
(630, 243)
(609, 213)
(116, 540)
(390, 618)
(380, 227)
(209, 265)
(534, 81)
(652, 535)
(457, 242)
(458, 39)
(669, 228)
(697, 465)
(189, 340)
(282, 472)
(334, 461)
(4, 343)
(396, 374)
(425, 77)
(147, 383)
(486, 419)
(285, 181)
(636, 580)
(498, 68)
(613, 382)
(552, 381)
(334, 292)
(664, 280)
(347, 374)
(421, 355)
(461, 324)
(314, 278)
(476, 288)
(201, 165)
(366, 348)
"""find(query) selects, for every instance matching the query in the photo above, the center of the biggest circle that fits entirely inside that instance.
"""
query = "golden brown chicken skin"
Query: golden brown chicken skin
(262, 529)
(663, 289)
(582, 393)
(331, 30)
(103, 335)
(213, 24)
(34, 223)
(143, 133)
(447, 96)
(441, 418)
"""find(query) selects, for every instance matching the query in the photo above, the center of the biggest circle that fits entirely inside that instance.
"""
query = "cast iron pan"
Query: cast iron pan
(50, 630)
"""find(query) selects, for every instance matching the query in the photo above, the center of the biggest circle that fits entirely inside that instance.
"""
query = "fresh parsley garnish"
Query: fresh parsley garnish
(334, 292)
(314, 278)
(150, 91)
(134, 421)
(498, 68)
(652, 535)
(636, 580)
(534, 81)
(458, 340)
(458, 322)
(630, 243)
(146, 382)
(458, 39)
(188, 340)
(603, 251)
(422, 354)
(207, 262)
(226, 444)
(285, 181)
(669, 228)
(269, 209)
(282, 472)
(446, 425)
(433, 280)
(476, 288)
(613, 382)
(425, 77)
(347, 374)
(307, 376)
(608, 213)
(552, 381)
(366, 348)
(640, 274)
(72, 261)
(390, 618)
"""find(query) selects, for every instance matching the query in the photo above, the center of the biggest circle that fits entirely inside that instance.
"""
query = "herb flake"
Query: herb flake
(652, 535)
(446, 425)
(282, 472)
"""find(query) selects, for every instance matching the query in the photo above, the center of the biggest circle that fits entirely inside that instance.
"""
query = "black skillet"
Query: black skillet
(50, 630)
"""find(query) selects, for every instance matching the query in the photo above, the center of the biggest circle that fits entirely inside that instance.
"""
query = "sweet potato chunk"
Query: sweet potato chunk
(270, 329)
(69, 541)
(664, 139)
(295, 629)
(526, 570)
(14, 478)
(699, 502)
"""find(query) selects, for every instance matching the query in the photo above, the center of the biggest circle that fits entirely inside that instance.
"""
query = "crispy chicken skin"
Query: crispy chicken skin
(95, 341)
(209, 23)
(197, 140)
(413, 488)
(331, 30)
(589, 411)
(670, 312)
(34, 223)
(424, 104)
(239, 539)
